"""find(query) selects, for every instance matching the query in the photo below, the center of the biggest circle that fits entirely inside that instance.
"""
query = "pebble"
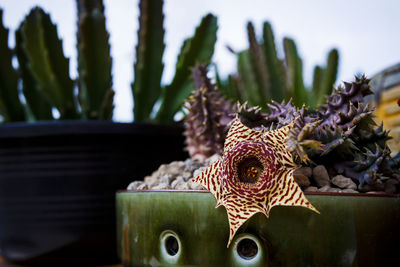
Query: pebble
(161, 186)
(334, 190)
(324, 188)
(311, 189)
(134, 185)
(349, 191)
(301, 179)
(167, 178)
(391, 186)
(178, 180)
(143, 186)
(178, 174)
(307, 171)
(343, 182)
(182, 186)
(320, 175)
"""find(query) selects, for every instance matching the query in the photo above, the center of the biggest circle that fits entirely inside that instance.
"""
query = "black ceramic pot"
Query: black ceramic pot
(58, 182)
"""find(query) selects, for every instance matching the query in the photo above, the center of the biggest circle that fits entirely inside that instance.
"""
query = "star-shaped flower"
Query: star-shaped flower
(254, 174)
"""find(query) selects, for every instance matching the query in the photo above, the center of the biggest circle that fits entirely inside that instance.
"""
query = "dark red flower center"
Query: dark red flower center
(249, 170)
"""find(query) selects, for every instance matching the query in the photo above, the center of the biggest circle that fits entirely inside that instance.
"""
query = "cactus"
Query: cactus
(94, 61)
(294, 73)
(208, 118)
(324, 78)
(11, 108)
(258, 64)
(197, 49)
(149, 51)
(273, 64)
(47, 63)
(38, 107)
(262, 75)
(340, 134)
(44, 70)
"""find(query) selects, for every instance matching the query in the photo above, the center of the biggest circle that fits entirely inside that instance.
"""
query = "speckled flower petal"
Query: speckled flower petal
(239, 133)
(254, 174)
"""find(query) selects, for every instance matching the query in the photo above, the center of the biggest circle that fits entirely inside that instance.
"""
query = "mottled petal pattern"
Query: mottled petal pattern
(254, 174)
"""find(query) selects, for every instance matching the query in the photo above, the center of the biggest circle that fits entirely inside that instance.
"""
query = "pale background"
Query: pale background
(365, 32)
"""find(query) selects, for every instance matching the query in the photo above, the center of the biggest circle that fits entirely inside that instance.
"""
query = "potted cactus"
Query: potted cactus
(263, 76)
(62, 157)
(332, 160)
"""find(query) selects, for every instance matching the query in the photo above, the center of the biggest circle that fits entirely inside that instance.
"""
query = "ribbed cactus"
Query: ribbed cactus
(273, 64)
(94, 61)
(208, 118)
(262, 75)
(149, 51)
(324, 78)
(47, 63)
(11, 108)
(259, 67)
(38, 107)
(294, 73)
(197, 49)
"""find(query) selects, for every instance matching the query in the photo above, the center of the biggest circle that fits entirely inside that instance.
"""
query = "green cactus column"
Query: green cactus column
(10, 107)
(47, 63)
(197, 49)
(94, 61)
(38, 107)
(146, 87)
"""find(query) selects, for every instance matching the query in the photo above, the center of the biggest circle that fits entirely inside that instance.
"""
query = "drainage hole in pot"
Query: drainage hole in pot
(247, 249)
(172, 245)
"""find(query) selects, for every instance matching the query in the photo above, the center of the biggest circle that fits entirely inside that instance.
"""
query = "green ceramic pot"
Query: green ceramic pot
(184, 228)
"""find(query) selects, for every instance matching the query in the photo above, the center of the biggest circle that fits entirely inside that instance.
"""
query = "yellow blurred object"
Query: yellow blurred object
(388, 111)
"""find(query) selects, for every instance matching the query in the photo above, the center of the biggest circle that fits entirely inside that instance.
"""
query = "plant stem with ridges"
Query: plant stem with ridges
(148, 68)
(10, 106)
(197, 49)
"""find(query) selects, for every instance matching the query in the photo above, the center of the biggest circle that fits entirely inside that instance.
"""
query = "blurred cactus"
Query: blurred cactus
(38, 107)
(94, 61)
(146, 87)
(44, 70)
(197, 49)
(263, 76)
(47, 63)
(11, 108)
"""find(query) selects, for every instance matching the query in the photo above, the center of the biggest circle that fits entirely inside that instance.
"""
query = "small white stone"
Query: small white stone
(143, 186)
(167, 179)
(134, 185)
(311, 189)
(182, 186)
(324, 188)
(161, 186)
(150, 181)
(343, 182)
(174, 183)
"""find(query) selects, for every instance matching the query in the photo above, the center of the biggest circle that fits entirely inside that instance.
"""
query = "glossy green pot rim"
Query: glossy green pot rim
(307, 193)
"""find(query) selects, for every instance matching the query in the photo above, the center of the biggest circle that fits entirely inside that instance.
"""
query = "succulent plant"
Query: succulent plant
(10, 107)
(209, 115)
(44, 70)
(94, 61)
(341, 134)
(46, 62)
(263, 76)
(197, 49)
